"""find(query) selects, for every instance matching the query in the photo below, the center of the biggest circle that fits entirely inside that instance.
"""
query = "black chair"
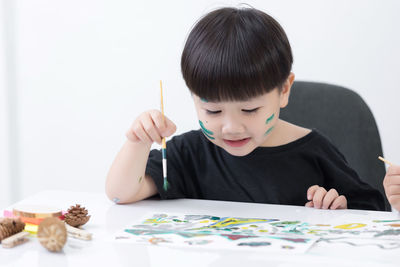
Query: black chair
(344, 117)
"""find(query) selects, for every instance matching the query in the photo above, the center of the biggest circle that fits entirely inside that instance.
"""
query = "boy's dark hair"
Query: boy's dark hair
(236, 54)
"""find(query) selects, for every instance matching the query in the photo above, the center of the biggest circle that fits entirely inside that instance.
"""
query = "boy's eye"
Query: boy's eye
(250, 110)
(213, 111)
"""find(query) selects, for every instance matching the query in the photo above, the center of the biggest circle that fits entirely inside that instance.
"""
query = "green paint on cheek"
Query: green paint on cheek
(206, 132)
(205, 129)
(140, 179)
(270, 118)
(204, 100)
(210, 137)
(269, 130)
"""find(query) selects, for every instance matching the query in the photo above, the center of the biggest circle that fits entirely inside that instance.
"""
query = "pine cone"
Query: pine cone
(52, 234)
(77, 216)
(10, 226)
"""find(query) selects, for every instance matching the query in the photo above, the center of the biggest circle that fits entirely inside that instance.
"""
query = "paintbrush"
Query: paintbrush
(385, 160)
(164, 145)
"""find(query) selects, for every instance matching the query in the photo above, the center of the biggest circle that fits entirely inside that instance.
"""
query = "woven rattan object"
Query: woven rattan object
(10, 226)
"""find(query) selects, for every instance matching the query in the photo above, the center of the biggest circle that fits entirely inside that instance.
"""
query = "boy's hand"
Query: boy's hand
(391, 183)
(319, 198)
(150, 127)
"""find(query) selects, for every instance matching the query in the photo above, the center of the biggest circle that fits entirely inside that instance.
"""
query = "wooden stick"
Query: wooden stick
(15, 240)
(386, 161)
(78, 233)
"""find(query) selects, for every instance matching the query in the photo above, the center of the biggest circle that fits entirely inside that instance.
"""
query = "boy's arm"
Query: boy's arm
(126, 181)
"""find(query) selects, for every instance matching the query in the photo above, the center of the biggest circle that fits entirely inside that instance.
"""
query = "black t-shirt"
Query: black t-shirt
(275, 175)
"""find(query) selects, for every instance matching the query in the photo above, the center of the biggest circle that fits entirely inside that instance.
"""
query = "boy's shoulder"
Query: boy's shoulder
(187, 139)
(193, 135)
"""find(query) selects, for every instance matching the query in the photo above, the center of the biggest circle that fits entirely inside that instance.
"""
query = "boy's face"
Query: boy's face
(240, 127)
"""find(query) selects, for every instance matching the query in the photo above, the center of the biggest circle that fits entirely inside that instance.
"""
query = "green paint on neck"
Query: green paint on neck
(270, 118)
(269, 130)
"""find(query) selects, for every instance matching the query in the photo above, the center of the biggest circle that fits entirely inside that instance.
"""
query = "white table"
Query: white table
(108, 218)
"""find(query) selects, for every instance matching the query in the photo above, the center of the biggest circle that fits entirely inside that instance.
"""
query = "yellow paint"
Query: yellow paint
(313, 232)
(205, 221)
(31, 228)
(155, 221)
(323, 225)
(350, 226)
(263, 231)
(233, 221)
(245, 227)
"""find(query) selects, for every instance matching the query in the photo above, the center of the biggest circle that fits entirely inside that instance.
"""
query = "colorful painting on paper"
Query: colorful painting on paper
(215, 232)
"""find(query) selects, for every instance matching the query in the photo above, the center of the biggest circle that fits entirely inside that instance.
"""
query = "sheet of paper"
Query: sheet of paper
(212, 232)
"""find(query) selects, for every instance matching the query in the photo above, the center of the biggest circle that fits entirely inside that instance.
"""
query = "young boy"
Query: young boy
(237, 65)
(391, 183)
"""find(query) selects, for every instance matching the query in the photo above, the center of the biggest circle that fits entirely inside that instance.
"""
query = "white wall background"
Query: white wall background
(4, 171)
(85, 69)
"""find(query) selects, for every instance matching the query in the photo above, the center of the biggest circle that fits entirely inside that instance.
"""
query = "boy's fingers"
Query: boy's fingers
(311, 191)
(393, 170)
(171, 128)
(318, 197)
(393, 189)
(391, 180)
(310, 204)
(132, 136)
(339, 203)
(329, 198)
(394, 200)
(158, 120)
(150, 128)
(141, 133)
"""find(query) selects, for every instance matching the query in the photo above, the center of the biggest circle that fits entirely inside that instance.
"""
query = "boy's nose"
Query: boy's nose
(232, 127)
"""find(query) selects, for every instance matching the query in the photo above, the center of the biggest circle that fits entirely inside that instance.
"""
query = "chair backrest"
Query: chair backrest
(344, 117)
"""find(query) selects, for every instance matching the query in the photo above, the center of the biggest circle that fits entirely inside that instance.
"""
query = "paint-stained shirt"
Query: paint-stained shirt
(275, 175)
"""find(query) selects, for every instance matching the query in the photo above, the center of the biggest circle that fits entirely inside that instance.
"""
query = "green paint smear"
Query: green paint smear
(140, 179)
(270, 118)
(210, 137)
(269, 130)
(204, 100)
(206, 132)
(205, 129)
(385, 221)
(165, 185)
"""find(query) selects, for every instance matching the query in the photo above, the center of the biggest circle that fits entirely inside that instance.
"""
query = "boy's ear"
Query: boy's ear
(285, 93)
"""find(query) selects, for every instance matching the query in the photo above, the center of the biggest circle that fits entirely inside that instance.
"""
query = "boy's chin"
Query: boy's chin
(238, 152)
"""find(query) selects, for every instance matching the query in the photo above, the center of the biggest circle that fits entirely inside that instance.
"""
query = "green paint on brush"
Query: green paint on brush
(165, 185)
(269, 130)
(270, 118)
(206, 132)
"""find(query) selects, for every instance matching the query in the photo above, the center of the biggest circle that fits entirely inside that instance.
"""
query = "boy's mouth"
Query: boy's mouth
(237, 143)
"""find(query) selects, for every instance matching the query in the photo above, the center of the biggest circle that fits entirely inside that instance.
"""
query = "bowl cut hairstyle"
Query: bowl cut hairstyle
(235, 54)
